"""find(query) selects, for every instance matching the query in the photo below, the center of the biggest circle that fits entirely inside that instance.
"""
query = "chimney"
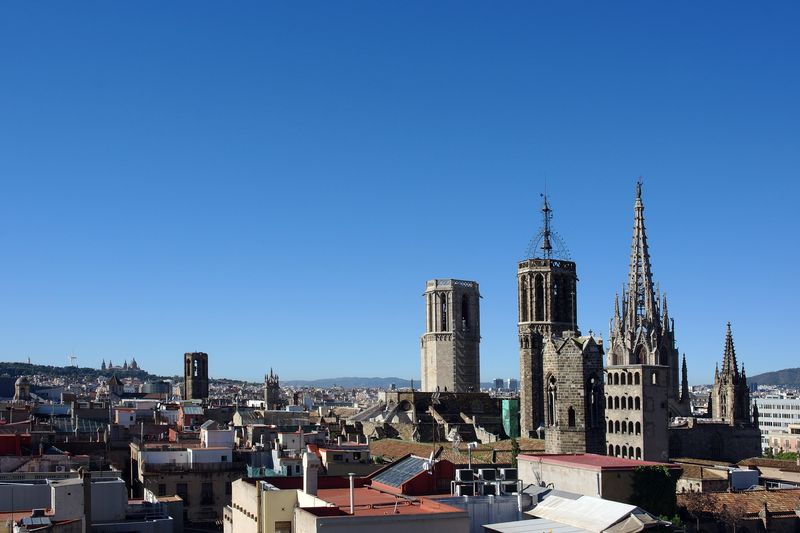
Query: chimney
(352, 492)
(86, 478)
(310, 473)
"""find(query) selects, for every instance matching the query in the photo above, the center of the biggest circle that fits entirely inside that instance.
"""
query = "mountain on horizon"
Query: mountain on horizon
(787, 377)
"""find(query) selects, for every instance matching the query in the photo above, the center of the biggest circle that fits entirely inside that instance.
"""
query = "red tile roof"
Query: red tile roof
(370, 502)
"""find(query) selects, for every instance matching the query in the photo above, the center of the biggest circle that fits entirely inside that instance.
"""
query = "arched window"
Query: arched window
(616, 378)
(637, 403)
(630, 428)
(624, 403)
(639, 355)
(610, 449)
(523, 299)
(616, 450)
(638, 428)
(624, 428)
(616, 427)
(630, 402)
(616, 402)
(594, 401)
(639, 453)
(465, 312)
(610, 404)
(635, 378)
(443, 311)
(625, 451)
(552, 397)
(630, 452)
(654, 378)
(538, 298)
(610, 426)
(571, 417)
(624, 379)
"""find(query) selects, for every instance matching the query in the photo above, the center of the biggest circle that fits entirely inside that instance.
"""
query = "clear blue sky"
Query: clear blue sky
(272, 183)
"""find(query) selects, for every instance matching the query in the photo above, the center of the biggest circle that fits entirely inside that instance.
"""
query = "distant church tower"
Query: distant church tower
(195, 374)
(642, 365)
(272, 391)
(730, 395)
(450, 345)
(546, 295)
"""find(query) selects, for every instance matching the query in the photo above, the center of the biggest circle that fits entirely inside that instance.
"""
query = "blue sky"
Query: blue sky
(273, 183)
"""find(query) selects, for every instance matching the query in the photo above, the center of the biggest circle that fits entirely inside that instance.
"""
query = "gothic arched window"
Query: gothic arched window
(552, 397)
(538, 298)
(465, 312)
(571, 417)
(443, 311)
(594, 401)
(523, 299)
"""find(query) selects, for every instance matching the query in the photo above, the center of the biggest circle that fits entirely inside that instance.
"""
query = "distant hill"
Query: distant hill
(15, 370)
(787, 376)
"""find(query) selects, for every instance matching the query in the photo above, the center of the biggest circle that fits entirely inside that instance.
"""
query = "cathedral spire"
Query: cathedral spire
(684, 381)
(729, 359)
(642, 306)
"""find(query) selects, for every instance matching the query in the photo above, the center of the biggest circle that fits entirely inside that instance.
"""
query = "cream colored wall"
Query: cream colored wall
(278, 506)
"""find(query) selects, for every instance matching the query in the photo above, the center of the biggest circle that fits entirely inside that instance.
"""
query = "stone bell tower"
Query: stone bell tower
(195, 376)
(546, 294)
(451, 343)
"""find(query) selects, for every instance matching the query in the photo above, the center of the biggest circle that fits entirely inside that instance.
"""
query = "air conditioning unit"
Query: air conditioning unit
(61, 468)
(508, 474)
(465, 474)
(487, 474)
(465, 490)
(489, 488)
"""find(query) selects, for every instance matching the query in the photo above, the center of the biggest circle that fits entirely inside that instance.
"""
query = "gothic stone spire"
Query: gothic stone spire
(729, 366)
(684, 381)
(642, 305)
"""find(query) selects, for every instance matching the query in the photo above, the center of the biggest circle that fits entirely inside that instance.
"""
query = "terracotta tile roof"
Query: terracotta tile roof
(785, 466)
(751, 502)
(393, 449)
(369, 502)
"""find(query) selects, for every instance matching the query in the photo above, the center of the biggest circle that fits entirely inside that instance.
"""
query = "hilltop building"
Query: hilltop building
(451, 343)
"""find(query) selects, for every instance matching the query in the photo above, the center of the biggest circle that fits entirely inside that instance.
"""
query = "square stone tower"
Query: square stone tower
(546, 297)
(195, 375)
(573, 394)
(451, 343)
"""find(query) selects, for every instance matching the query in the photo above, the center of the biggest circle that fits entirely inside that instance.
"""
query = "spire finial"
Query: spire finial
(547, 215)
